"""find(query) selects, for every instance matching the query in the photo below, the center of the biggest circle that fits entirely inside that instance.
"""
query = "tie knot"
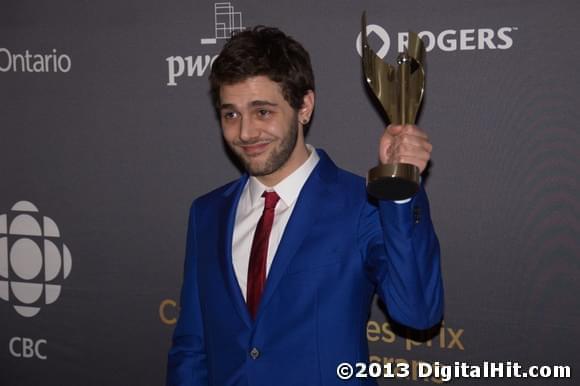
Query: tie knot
(271, 199)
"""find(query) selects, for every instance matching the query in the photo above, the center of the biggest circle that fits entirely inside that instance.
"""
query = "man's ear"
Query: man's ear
(305, 112)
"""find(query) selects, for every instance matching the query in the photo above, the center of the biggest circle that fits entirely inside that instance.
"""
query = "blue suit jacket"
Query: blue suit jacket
(337, 250)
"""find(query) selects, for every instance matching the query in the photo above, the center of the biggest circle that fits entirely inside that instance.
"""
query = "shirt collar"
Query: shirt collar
(289, 188)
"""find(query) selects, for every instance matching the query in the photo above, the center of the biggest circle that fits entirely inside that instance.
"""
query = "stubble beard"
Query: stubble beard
(279, 156)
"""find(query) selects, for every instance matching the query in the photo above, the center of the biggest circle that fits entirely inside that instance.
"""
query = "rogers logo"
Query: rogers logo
(448, 40)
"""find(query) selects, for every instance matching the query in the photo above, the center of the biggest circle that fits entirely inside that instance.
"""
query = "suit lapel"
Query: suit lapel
(228, 218)
(310, 200)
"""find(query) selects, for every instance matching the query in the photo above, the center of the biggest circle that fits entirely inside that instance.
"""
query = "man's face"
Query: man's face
(259, 125)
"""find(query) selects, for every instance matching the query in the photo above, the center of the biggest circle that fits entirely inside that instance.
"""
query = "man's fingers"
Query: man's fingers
(414, 130)
(417, 157)
(418, 162)
(396, 130)
(410, 141)
(405, 144)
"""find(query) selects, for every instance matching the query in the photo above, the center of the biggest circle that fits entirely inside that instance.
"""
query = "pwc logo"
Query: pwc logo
(449, 40)
(34, 261)
(226, 21)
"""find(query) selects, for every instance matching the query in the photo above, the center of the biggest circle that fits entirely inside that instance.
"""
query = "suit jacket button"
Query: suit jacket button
(254, 353)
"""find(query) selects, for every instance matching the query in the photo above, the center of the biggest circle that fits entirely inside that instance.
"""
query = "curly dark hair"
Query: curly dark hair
(264, 51)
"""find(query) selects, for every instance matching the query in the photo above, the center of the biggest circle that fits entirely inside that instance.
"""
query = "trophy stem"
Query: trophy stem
(403, 72)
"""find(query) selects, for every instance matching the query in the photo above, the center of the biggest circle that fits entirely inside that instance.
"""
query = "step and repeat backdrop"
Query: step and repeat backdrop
(108, 133)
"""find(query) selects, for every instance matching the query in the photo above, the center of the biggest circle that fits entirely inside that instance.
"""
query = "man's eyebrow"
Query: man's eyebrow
(226, 106)
(262, 103)
(256, 103)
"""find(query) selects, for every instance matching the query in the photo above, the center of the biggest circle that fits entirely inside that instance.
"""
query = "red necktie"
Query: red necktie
(259, 253)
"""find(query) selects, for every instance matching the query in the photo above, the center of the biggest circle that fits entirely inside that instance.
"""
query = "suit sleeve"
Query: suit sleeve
(402, 258)
(187, 363)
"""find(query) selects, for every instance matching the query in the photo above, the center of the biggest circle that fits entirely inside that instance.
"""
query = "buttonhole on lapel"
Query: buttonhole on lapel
(416, 214)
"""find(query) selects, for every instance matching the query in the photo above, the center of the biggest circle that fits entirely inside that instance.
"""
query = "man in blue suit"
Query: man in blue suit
(282, 264)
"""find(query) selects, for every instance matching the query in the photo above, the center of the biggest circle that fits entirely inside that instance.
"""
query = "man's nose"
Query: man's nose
(248, 129)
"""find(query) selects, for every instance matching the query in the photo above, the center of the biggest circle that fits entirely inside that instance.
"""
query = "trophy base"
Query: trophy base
(393, 181)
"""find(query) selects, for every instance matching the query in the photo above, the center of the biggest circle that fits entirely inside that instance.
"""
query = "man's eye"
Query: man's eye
(263, 112)
(229, 115)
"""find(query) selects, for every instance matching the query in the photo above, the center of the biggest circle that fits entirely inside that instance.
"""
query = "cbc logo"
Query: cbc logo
(26, 348)
(33, 260)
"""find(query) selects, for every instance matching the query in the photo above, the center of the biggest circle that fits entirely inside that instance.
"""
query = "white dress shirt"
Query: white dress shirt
(250, 210)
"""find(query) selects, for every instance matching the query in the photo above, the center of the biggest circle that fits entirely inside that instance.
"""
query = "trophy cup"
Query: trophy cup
(399, 91)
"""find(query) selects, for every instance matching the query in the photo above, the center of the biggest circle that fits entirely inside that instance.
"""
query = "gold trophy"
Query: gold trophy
(400, 91)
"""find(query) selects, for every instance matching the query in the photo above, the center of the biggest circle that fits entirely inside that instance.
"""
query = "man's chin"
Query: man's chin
(258, 170)
(255, 165)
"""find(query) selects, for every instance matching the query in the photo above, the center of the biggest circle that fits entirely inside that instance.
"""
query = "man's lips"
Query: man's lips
(254, 149)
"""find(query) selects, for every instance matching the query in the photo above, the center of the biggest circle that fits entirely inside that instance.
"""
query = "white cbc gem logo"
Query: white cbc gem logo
(33, 260)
